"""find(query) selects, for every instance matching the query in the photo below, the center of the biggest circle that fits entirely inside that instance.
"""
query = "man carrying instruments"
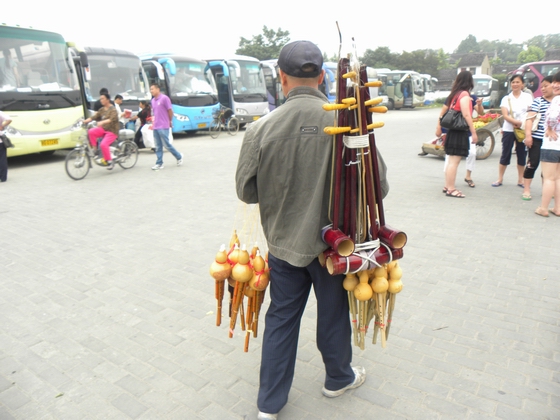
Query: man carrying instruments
(285, 166)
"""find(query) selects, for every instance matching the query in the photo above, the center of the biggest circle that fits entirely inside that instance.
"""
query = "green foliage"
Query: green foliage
(468, 45)
(443, 60)
(333, 58)
(531, 54)
(545, 42)
(264, 46)
(422, 61)
(506, 51)
(382, 57)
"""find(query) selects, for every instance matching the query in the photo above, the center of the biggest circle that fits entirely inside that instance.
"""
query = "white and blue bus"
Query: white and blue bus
(486, 87)
(190, 86)
(241, 86)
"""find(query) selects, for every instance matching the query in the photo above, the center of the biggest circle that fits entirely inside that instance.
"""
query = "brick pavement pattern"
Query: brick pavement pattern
(107, 307)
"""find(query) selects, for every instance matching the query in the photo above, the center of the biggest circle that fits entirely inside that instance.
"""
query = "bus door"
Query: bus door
(398, 95)
(156, 74)
(223, 83)
(406, 89)
(270, 78)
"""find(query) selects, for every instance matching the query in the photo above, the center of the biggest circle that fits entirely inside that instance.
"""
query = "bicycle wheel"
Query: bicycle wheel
(215, 128)
(128, 155)
(485, 145)
(233, 126)
(77, 164)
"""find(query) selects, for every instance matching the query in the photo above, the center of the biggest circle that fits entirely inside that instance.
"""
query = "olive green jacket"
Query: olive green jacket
(285, 166)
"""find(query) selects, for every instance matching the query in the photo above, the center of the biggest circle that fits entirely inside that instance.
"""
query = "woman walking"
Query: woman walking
(457, 142)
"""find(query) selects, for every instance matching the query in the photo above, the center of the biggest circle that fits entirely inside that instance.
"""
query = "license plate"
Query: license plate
(255, 118)
(202, 125)
(50, 142)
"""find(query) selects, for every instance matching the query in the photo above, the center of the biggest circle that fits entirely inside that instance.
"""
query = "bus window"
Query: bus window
(531, 80)
(550, 69)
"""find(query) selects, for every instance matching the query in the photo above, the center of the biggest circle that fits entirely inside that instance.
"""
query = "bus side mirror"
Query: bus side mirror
(83, 59)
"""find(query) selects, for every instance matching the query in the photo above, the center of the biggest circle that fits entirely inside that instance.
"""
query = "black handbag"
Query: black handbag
(454, 120)
(7, 142)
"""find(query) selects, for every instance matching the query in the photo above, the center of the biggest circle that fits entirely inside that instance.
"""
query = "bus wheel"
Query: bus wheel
(391, 105)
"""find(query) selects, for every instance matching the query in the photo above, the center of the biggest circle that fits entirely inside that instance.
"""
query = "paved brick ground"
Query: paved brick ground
(106, 305)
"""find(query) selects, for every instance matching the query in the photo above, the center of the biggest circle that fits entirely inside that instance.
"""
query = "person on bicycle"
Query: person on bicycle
(107, 128)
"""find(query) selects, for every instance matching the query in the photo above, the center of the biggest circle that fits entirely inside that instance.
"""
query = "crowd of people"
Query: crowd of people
(111, 118)
(530, 129)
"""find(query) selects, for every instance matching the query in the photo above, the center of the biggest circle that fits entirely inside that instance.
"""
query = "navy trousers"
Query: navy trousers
(3, 163)
(289, 290)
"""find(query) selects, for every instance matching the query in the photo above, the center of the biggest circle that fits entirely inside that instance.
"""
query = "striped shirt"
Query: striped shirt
(540, 106)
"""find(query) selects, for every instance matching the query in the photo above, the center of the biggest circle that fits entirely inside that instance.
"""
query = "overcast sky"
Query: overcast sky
(185, 27)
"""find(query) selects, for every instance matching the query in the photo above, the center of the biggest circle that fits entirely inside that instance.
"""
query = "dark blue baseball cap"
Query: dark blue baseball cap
(301, 59)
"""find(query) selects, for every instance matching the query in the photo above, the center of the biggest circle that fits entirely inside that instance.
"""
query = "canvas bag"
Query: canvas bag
(518, 132)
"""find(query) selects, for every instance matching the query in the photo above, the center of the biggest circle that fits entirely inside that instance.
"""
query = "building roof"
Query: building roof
(472, 60)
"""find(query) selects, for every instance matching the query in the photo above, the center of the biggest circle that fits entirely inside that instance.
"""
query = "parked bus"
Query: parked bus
(120, 72)
(272, 82)
(329, 81)
(241, 86)
(41, 91)
(533, 73)
(189, 84)
(374, 92)
(404, 89)
(486, 87)
(274, 87)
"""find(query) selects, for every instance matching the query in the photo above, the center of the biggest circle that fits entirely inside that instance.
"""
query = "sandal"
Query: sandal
(553, 212)
(444, 190)
(540, 212)
(497, 184)
(526, 197)
(455, 194)
(470, 183)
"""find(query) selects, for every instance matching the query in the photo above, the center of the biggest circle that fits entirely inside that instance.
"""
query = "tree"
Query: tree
(422, 61)
(382, 57)
(443, 60)
(332, 58)
(467, 45)
(530, 55)
(264, 46)
(545, 42)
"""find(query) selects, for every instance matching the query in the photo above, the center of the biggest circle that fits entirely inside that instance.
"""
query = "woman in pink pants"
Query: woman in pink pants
(107, 127)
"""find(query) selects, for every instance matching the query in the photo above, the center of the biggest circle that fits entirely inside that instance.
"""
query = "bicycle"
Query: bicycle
(78, 161)
(223, 119)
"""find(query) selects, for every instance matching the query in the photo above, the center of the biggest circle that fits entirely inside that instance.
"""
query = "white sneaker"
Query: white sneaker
(180, 161)
(157, 167)
(267, 416)
(359, 379)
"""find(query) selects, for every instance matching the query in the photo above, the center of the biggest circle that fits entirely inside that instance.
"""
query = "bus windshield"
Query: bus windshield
(119, 74)
(190, 79)
(35, 71)
(247, 81)
(482, 87)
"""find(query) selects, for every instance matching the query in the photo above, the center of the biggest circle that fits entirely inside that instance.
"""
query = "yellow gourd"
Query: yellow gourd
(242, 272)
(363, 290)
(220, 269)
(350, 282)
